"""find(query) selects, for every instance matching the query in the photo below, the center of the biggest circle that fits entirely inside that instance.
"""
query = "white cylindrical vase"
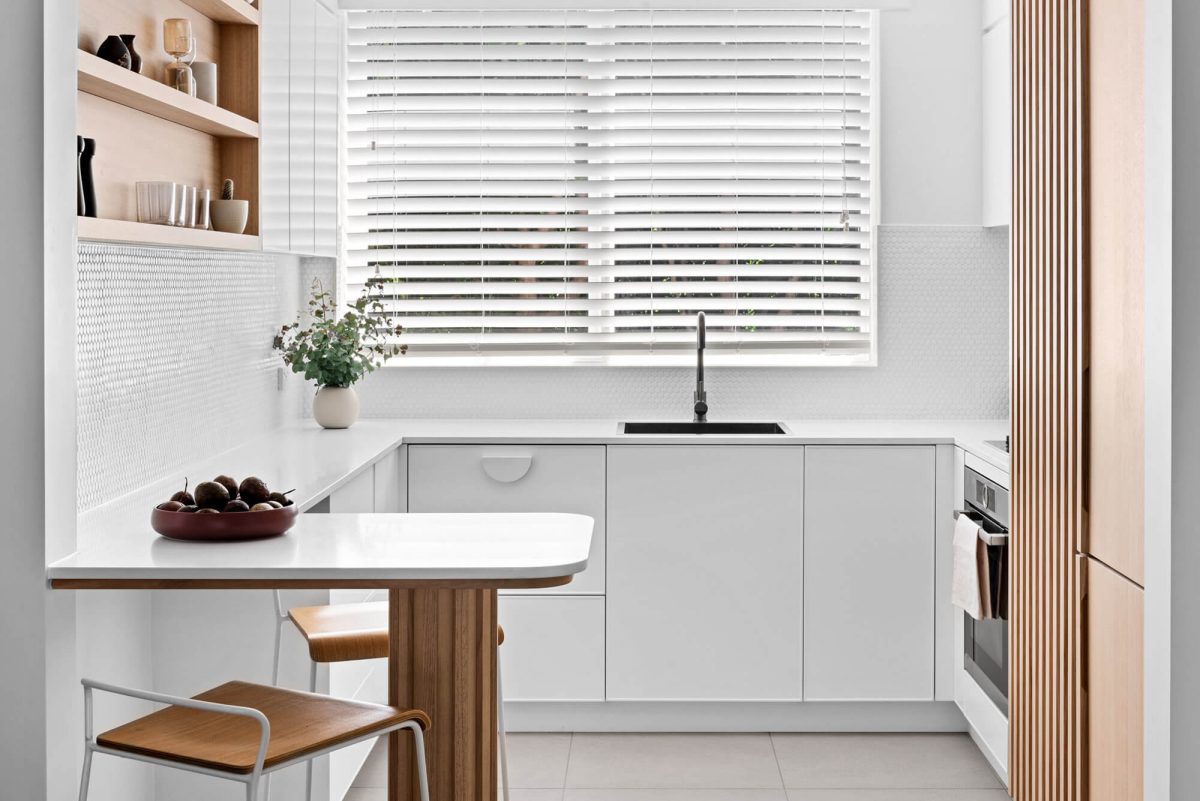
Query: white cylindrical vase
(335, 407)
(205, 74)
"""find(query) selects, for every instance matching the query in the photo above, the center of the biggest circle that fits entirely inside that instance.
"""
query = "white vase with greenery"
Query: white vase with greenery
(336, 351)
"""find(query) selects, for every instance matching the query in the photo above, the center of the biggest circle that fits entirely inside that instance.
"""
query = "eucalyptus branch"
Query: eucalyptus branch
(338, 351)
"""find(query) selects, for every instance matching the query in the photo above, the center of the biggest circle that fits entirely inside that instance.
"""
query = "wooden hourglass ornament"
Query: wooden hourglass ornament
(179, 43)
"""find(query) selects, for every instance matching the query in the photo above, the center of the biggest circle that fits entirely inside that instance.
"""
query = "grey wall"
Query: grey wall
(22, 424)
(1185, 390)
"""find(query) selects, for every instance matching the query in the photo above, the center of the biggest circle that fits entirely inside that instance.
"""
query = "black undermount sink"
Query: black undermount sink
(702, 428)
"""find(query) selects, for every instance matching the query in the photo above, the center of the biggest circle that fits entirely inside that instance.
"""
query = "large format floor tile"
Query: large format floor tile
(897, 795)
(694, 794)
(634, 761)
(538, 760)
(518, 794)
(895, 761)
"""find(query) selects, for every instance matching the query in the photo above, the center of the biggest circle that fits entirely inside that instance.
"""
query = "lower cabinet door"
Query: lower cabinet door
(705, 572)
(553, 648)
(1114, 684)
(515, 478)
(868, 573)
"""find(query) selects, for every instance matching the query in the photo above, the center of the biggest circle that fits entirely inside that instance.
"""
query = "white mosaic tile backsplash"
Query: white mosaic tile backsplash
(174, 359)
(943, 353)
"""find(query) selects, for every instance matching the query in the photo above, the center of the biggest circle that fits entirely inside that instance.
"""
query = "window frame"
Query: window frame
(675, 357)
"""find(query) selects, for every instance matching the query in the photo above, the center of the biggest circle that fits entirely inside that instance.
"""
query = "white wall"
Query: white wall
(943, 353)
(1158, 412)
(943, 281)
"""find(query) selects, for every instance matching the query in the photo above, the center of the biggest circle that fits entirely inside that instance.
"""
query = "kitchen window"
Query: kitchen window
(573, 186)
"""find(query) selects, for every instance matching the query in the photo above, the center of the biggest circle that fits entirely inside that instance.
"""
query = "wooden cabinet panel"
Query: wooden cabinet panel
(518, 478)
(706, 567)
(1116, 443)
(553, 648)
(1114, 689)
(868, 573)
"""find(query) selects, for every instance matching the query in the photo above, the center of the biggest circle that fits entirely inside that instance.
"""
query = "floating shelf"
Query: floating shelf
(98, 77)
(146, 234)
(238, 12)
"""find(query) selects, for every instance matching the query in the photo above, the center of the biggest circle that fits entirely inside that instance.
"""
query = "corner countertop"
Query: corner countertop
(317, 461)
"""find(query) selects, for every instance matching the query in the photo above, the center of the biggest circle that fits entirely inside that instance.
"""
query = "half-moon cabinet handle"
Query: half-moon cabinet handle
(506, 469)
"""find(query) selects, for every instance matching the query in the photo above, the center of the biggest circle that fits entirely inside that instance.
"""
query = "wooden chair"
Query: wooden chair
(349, 632)
(242, 732)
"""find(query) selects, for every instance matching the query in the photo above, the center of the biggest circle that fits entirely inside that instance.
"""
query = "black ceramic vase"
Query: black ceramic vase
(80, 203)
(86, 182)
(114, 50)
(135, 60)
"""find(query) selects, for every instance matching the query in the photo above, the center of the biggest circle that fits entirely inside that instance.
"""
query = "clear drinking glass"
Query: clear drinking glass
(156, 202)
(203, 204)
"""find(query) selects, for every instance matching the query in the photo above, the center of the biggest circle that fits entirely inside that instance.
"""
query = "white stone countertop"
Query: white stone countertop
(317, 462)
(349, 547)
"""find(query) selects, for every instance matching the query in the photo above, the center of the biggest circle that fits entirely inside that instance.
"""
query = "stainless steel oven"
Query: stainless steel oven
(985, 642)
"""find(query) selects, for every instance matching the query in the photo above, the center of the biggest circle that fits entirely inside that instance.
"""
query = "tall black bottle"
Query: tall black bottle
(80, 203)
(86, 183)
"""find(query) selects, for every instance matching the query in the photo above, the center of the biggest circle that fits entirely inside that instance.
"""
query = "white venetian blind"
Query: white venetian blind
(584, 182)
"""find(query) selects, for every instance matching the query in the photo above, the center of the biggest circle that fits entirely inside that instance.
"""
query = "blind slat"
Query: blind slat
(585, 181)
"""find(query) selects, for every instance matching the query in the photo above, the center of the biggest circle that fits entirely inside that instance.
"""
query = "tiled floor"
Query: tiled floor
(735, 767)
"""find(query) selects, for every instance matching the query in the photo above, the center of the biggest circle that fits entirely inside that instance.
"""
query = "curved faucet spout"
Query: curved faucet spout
(699, 398)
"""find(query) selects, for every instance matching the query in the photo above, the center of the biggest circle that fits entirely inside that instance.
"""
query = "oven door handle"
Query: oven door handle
(988, 537)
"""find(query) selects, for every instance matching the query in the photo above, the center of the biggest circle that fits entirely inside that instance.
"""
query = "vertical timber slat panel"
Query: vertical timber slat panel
(1047, 402)
(443, 661)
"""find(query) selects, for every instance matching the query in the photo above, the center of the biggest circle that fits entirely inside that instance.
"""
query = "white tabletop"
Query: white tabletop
(344, 548)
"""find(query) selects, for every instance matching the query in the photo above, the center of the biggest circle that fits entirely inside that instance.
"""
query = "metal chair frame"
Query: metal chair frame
(254, 777)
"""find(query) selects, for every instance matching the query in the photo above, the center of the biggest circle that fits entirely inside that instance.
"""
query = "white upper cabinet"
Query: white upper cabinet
(301, 45)
(869, 573)
(997, 115)
(705, 572)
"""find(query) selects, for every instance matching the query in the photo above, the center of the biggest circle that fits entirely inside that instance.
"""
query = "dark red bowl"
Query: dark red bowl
(223, 527)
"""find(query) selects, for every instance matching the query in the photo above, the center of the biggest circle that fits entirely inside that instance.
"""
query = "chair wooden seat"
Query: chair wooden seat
(343, 632)
(301, 724)
(346, 632)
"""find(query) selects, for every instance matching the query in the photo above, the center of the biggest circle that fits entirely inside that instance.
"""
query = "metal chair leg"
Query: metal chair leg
(308, 766)
(501, 731)
(86, 780)
(422, 768)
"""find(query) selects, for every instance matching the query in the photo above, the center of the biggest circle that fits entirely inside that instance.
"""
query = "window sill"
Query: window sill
(673, 360)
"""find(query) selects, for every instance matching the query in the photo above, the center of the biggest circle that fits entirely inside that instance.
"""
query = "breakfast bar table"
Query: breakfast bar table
(441, 572)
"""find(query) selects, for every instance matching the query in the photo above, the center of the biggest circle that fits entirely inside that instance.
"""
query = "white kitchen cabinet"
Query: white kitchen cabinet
(391, 492)
(705, 573)
(518, 478)
(300, 78)
(356, 496)
(553, 648)
(325, 132)
(997, 119)
(869, 573)
(275, 109)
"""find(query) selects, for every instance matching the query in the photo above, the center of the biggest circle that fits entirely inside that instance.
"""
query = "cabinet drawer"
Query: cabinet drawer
(494, 478)
(553, 648)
